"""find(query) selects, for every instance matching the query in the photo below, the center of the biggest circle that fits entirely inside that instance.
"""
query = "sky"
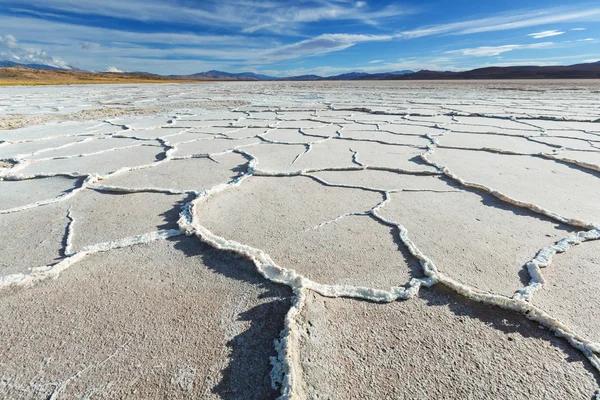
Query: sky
(287, 38)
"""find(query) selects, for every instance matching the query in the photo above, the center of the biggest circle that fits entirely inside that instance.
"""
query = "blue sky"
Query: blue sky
(325, 37)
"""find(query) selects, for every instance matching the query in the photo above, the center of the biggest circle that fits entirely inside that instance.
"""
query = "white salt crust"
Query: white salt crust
(315, 124)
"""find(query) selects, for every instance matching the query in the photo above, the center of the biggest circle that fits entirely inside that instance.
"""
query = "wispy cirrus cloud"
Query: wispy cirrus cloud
(246, 16)
(291, 16)
(545, 34)
(62, 32)
(321, 44)
(506, 22)
(488, 51)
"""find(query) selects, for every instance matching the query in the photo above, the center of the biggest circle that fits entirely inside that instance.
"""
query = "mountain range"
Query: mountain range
(577, 71)
(8, 64)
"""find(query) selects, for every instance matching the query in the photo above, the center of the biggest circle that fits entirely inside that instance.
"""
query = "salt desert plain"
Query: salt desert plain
(329, 240)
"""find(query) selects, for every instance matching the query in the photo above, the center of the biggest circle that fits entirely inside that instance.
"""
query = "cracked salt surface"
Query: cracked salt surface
(368, 191)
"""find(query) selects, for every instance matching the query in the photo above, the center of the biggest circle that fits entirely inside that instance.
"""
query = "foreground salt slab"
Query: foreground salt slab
(573, 289)
(99, 163)
(213, 146)
(317, 236)
(99, 215)
(90, 146)
(287, 157)
(588, 159)
(18, 194)
(32, 238)
(398, 350)
(505, 143)
(386, 137)
(57, 130)
(192, 174)
(390, 156)
(527, 178)
(27, 149)
(168, 320)
(386, 180)
(495, 240)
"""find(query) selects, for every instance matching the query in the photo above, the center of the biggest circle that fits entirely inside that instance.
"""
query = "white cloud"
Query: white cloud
(113, 69)
(9, 42)
(11, 50)
(578, 29)
(488, 51)
(375, 61)
(545, 34)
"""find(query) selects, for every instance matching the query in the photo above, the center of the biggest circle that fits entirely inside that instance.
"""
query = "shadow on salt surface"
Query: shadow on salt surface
(593, 157)
(514, 326)
(528, 179)
(32, 238)
(171, 216)
(397, 350)
(504, 321)
(102, 216)
(496, 240)
(572, 289)
(176, 327)
(491, 201)
(247, 373)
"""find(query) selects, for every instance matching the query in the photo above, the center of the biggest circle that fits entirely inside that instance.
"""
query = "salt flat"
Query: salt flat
(255, 240)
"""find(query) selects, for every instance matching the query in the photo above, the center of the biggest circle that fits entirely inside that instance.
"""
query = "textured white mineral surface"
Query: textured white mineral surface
(301, 240)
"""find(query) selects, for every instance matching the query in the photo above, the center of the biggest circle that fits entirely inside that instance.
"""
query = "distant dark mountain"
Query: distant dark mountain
(221, 75)
(385, 75)
(303, 78)
(252, 75)
(577, 71)
(7, 64)
(351, 76)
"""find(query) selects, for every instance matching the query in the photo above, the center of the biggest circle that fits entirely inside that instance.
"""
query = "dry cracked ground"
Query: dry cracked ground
(301, 240)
